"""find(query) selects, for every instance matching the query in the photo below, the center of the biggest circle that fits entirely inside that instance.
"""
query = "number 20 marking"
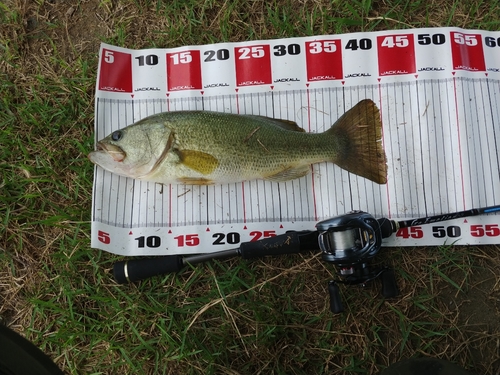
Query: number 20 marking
(220, 54)
(231, 238)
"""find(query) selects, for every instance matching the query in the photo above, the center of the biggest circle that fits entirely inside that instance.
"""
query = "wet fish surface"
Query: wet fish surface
(203, 147)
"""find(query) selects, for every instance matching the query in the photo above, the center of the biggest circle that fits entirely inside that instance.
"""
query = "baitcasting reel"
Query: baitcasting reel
(349, 242)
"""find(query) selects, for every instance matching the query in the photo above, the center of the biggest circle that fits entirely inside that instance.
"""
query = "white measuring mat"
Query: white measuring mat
(438, 91)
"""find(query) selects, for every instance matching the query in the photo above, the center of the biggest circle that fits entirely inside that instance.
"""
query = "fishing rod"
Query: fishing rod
(347, 241)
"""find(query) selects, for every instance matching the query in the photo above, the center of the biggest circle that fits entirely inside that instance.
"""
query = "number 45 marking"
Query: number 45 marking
(395, 41)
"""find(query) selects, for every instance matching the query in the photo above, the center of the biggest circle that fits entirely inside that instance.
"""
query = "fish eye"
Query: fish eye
(117, 135)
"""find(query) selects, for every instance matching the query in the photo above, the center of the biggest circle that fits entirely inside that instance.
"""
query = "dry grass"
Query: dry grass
(230, 317)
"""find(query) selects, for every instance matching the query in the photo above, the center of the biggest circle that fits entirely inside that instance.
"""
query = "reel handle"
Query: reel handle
(336, 306)
(389, 285)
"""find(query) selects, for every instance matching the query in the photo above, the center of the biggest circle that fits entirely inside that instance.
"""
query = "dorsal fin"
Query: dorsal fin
(284, 124)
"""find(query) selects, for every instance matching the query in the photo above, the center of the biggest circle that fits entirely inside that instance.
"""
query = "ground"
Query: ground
(58, 292)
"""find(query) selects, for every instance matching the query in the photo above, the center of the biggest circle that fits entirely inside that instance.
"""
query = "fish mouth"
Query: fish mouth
(114, 151)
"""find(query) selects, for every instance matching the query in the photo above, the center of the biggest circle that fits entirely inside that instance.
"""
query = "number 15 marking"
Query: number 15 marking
(182, 58)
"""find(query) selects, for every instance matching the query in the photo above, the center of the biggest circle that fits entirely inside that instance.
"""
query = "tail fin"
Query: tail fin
(359, 132)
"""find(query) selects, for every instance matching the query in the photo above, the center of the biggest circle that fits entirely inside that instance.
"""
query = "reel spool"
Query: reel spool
(349, 241)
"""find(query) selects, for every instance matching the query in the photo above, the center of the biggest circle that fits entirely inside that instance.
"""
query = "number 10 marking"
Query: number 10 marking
(149, 241)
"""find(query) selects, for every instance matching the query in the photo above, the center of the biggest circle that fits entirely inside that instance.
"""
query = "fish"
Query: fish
(205, 147)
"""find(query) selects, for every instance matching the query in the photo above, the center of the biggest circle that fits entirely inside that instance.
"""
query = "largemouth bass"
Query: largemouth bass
(201, 147)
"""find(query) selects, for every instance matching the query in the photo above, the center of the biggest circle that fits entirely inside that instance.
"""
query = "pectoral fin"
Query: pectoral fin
(199, 161)
(289, 174)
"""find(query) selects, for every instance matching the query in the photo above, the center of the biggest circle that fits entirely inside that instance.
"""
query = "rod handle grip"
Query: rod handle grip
(139, 269)
(288, 243)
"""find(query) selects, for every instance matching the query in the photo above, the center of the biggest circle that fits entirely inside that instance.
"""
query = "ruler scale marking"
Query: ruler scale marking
(452, 147)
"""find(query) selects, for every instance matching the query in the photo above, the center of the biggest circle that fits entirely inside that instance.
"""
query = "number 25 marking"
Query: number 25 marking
(256, 52)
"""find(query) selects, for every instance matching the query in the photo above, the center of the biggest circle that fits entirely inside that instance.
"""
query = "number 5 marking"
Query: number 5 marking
(104, 237)
(109, 57)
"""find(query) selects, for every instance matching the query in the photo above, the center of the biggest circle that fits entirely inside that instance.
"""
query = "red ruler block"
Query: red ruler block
(396, 54)
(253, 65)
(467, 52)
(324, 60)
(115, 71)
(184, 70)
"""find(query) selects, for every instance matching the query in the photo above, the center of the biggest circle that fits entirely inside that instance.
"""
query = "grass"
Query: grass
(229, 317)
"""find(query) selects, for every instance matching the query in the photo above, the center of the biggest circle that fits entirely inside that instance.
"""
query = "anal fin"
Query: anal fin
(289, 174)
(194, 181)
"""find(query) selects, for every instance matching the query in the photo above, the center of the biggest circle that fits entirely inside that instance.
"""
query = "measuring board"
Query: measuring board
(438, 91)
